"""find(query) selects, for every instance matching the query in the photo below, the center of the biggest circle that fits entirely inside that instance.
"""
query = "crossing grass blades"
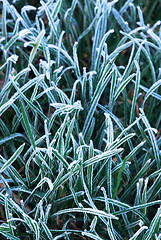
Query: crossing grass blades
(80, 120)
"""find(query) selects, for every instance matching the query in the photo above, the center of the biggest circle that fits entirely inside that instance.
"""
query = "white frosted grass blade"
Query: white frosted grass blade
(138, 232)
(75, 57)
(125, 6)
(27, 8)
(8, 215)
(151, 90)
(97, 94)
(122, 86)
(62, 108)
(102, 156)
(63, 52)
(112, 88)
(152, 138)
(13, 158)
(34, 108)
(154, 224)
(110, 130)
(91, 235)
(141, 18)
(33, 225)
(88, 28)
(153, 94)
(47, 231)
(50, 18)
(61, 158)
(8, 235)
(139, 175)
(123, 24)
(95, 212)
(154, 36)
(56, 9)
(136, 91)
(100, 49)
(4, 24)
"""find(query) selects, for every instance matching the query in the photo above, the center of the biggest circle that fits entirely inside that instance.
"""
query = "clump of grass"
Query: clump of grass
(80, 120)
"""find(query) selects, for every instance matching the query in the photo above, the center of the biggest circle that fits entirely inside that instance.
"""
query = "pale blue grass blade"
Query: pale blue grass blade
(136, 91)
(8, 215)
(69, 132)
(95, 212)
(90, 168)
(8, 235)
(12, 158)
(100, 49)
(33, 225)
(154, 190)
(93, 224)
(119, 124)
(17, 36)
(99, 33)
(91, 235)
(110, 139)
(153, 228)
(154, 36)
(74, 90)
(56, 9)
(153, 94)
(122, 86)
(15, 176)
(87, 30)
(151, 90)
(4, 25)
(130, 64)
(145, 52)
(135, 236)
(110, 228)
(25, 16)
(34, 93)
(6, 105)
(112, 88)
(4, 129)
(75, 57)
(34, 108)
(119, 141)
(10, 137)
(90, 130)
(127, 208)
(123, 24)
(140, 174)
(9, 9)
(125, 6)
(141, 18)
(63, 52)
(97, 94)
(144, 195)
(60, 179)
(152, 138)
(50, 18)
(91, 203)
(101, 157)
(5, 182)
